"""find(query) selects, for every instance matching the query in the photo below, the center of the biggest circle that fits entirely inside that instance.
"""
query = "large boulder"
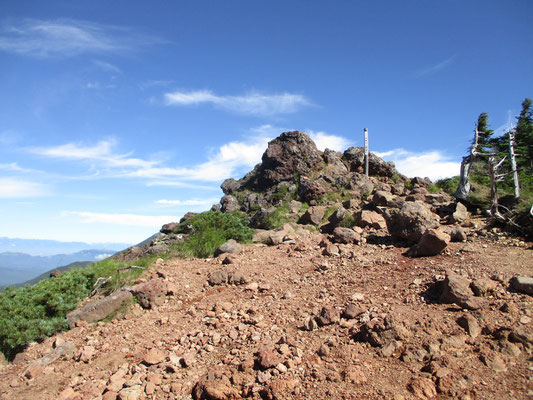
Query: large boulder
(311, 191)
(231, 247)
(229, 203)
(456, 289)
(431, 243)
(411, 221)
(345, 235)
(459, 215)
(355, 156)
(290, 155)
(371, 219)
(313, 215)
(99, 309)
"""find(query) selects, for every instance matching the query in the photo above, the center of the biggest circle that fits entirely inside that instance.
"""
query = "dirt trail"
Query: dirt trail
(281, 335)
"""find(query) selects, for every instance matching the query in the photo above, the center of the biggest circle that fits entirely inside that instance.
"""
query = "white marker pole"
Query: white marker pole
(366, 152)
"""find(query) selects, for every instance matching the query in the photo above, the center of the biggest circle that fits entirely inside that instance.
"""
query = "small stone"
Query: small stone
(352, 311)
(355, 375)
(470, 325)
(154, 356)
(267, 359)
(130, 393)
(422, 388)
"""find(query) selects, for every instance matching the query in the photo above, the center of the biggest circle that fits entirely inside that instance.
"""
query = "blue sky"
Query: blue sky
(117, 117)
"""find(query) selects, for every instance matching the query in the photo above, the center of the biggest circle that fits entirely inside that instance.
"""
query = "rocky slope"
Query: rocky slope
(373, 291)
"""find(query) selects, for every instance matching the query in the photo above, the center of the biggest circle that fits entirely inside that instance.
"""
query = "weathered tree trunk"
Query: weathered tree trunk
(464, 180)
(512, 159)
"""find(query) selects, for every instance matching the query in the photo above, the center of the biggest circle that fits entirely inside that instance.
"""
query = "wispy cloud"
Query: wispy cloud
(66, 38)
(253, 103)
(190, 202)
(432, 164)
(229, 160)
(107, 66)
(15, 188)
(433, 69)
(101, 152)
(120, 219)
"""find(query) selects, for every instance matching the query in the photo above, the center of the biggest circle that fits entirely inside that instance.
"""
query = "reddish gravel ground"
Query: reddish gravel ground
(280, 335)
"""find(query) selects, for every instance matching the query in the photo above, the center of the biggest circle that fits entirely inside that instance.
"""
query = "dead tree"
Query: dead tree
(464, 180)
(495, 177)
(512, 160)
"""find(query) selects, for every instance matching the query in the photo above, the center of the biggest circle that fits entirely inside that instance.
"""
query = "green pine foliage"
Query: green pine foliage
(33, 312)
(208, 230)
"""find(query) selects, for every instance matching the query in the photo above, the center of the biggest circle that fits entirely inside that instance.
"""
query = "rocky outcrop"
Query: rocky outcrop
(431, 243)
(355, 156)
(99, 309)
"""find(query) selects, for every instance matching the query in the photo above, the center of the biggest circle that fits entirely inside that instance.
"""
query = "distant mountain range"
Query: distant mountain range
(21, 267)
(38, 247)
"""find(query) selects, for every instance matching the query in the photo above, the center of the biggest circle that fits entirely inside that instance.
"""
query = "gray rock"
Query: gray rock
(345, 235)
(313, 215)
(218, 277)
(522, 284)
(229, 203)
(231, 247)
(169, 228)
(460, 214)
(188, 215)
(411, 221)
(99, 309)
(456, 289)
(431, 243)
(295, 206)
(355, 156)
(458, 234)
(470, 325)
(311, 191)
(371, 219)
(483, 286)
(150, 294)
(382, 198)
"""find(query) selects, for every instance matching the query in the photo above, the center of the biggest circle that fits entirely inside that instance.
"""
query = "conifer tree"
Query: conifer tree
(524, 138)
(485, 134)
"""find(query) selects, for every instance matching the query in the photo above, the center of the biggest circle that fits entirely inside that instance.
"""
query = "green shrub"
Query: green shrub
(277, 218)
(32, 312)
(433, 189)
(449, 185)
(208, 230)
(350, 221)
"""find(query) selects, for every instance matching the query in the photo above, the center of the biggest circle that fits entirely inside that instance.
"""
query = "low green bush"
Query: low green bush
(208, 230)
(32, 312)
(449, 185)
(279, 217)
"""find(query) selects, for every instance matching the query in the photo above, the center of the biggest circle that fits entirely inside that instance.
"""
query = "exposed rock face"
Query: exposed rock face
(229, 203)
(376, 166)
(346, 235)
(311, 191)
(169, 228)
(411, 221)
(289, 154)
(98, 309)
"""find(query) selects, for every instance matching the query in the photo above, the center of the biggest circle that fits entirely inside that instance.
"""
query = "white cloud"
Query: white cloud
(101, 152)
(107, 66)
(66, 37)
(16, 188)
(191, 202)
(102, 256)
(325, 141)
(151, 221)
(254, 103)
(435, 68)
(432, 164)
(232, 158)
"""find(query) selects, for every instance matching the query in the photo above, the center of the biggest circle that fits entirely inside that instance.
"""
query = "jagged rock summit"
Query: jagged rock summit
(292, 168)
